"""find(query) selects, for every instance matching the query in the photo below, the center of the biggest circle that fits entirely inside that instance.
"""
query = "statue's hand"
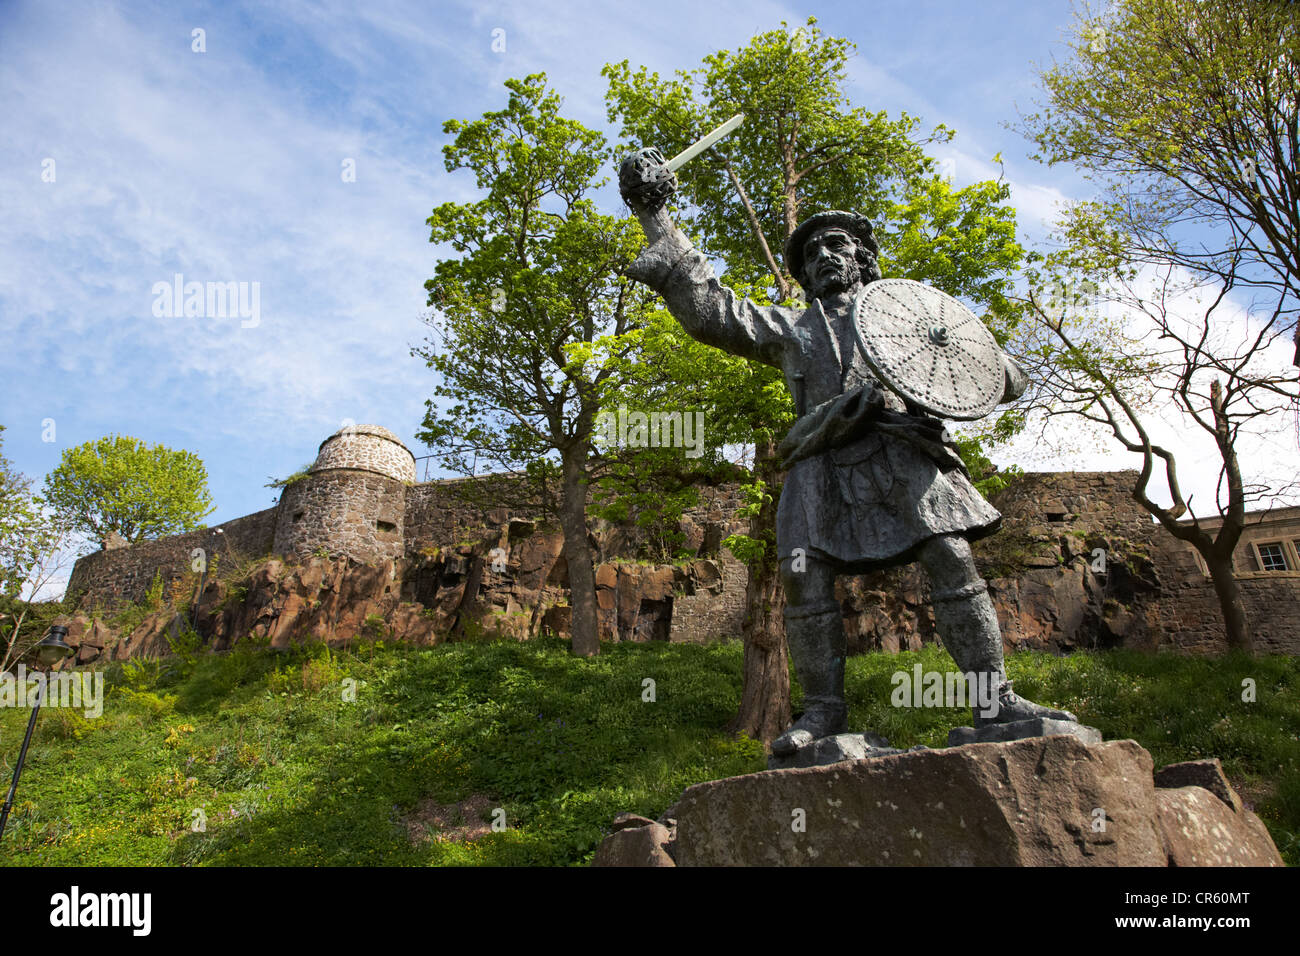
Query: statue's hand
(645, 182)
(1016, 379)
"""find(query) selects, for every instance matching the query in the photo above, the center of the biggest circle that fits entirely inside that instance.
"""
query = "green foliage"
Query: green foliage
(288, 772)
(310, 676)
(186, 644)
(987, 478)
(153, 595)
(235, 595)
(34, 544)
(655, 500)
(802, 148)
(538, 277)
(19, 527)
(120, 484)
(1182, 113)
(962, 241)
(299, 475)
(538, 272)
(747, 549)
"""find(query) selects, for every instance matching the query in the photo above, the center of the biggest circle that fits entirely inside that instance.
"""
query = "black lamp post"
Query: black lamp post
(50, 649)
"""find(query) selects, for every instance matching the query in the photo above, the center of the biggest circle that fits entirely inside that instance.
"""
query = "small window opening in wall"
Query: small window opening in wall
(385, 526)
(1056, 516)
(297, 516)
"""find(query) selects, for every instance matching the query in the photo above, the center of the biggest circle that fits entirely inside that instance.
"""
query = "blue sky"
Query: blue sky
(225, 166)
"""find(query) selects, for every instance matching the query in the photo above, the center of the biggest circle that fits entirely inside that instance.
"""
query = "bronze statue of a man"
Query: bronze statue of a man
(872, 481)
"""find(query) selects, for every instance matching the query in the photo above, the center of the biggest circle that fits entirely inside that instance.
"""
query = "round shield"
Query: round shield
(929, 348)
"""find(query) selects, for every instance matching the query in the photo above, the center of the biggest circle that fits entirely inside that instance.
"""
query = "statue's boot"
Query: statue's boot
(968, 624)
(1013, 707)
(815, 635)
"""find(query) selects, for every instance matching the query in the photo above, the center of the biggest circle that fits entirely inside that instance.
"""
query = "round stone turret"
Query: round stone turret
(370, 448)
(353, 500)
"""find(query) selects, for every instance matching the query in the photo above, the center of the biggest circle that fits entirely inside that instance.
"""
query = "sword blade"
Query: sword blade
(690, 152)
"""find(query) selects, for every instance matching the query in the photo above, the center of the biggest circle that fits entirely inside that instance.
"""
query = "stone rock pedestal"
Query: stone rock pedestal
(1040, 801)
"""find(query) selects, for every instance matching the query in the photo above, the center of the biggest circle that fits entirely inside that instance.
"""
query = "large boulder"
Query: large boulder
(87, 637)
(1025, 803)
(1200, 829)
(152, 637)
(1046, 801)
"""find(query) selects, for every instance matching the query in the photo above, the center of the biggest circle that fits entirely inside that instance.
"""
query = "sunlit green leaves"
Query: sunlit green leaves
(118, 483)
(538, 270)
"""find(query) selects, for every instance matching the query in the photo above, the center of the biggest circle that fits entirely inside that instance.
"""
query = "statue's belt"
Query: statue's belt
(849, 417)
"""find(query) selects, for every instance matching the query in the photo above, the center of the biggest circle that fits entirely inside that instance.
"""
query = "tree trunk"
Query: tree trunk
(577, 555)
(1236, 629)
(1220, 560)
(765, 696)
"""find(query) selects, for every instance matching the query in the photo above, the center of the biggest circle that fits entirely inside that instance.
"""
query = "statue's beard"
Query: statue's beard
(833, 279)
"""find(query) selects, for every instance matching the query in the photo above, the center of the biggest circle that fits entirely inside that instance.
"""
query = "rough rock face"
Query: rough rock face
(1047, 583)
(1201, 830)
(324, 599)
(511, 586)
(1199, 773)
(152, 638)
(517, 585)
(87, 637)
(330, 600)
(1048, 801)
(1025, 803)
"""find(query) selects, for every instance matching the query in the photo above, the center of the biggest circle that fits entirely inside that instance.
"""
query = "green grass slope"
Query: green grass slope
(326, 758)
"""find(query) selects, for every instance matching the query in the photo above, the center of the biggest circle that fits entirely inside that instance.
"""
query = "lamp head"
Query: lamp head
(51, 648)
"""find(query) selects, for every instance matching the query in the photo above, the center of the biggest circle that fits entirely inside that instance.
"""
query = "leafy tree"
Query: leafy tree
(803, 148)
(33, 549)
(1183, 114)
(19, 516)
(537, 281)
(120, 484)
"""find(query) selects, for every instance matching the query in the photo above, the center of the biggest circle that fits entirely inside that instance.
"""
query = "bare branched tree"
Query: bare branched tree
(1154, 346)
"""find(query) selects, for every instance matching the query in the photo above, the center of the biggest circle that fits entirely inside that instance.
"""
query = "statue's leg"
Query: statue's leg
(814, 631)
(968, 625)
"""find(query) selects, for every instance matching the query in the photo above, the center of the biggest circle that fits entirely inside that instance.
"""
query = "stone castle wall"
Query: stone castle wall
(1049, 588)
(353, 501)
(708, 613)
(437, 517)
(125, 574)
(1192, 623)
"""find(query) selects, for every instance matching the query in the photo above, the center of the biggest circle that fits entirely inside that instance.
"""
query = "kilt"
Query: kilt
(871, 503)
